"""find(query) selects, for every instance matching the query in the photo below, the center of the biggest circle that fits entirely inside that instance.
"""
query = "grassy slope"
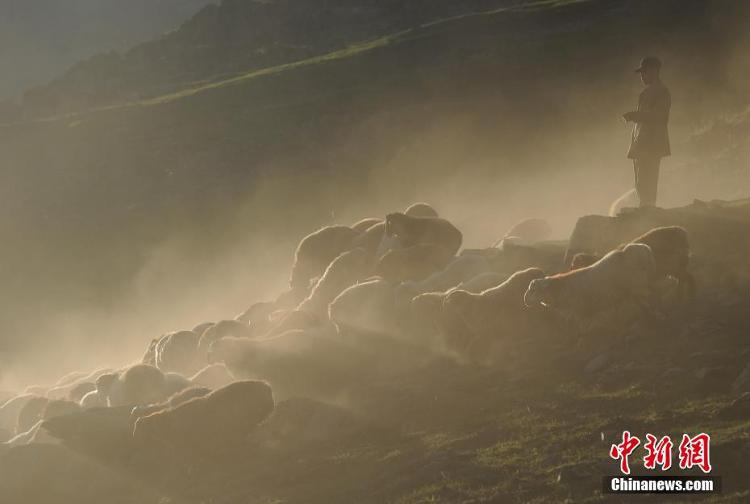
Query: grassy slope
(426, 30)
(225, 39)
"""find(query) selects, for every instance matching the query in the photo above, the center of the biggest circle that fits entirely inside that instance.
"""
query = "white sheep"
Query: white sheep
(425, 310)
(312, 363)
(473, 323)
(10, 409)
(368, 306)
(219, 330)
(209, 425)
(93, 399)
(178, 352)
(69, 385)
(420, 209)
(364, 224)
(344, 271)
(137, 384)
(412, 263)
(618, 276)
(461, 269)
(423, 231)
(316, 251)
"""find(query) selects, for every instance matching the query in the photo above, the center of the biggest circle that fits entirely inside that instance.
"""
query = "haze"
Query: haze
(127, 221)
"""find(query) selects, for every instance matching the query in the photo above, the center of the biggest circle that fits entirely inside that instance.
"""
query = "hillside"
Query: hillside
(232, 37)
(216, 171)
(40, 39)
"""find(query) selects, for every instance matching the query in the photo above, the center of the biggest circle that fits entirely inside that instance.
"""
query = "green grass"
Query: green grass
(427, 29)
(533, 448)
(354, 50)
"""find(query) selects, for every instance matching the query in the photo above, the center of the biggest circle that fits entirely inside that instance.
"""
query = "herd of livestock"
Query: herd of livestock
(353, 291)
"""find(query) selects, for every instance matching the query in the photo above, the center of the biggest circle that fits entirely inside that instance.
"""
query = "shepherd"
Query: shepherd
(650, 139)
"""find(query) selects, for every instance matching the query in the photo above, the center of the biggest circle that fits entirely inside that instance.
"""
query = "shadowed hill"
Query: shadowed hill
(276, 151)
(42, 38)
(231, 37)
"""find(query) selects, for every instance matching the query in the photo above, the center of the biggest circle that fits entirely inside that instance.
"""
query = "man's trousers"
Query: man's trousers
(646, 179)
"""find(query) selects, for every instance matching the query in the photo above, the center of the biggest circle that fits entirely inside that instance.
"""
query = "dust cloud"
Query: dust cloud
(567, 160)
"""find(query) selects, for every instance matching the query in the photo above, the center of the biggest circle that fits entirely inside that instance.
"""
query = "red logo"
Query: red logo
(623, 450)
(659, 453)
(693, 452)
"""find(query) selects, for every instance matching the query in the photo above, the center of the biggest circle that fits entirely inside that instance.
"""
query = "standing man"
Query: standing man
(650, 140)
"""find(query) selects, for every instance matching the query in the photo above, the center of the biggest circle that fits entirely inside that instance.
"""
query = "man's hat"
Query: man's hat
(649, 62)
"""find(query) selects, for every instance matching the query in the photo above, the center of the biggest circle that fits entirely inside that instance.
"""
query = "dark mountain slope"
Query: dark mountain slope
(39, 39)
(231, 37)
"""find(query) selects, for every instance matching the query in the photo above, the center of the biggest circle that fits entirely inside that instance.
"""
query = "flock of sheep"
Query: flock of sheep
(357, 295)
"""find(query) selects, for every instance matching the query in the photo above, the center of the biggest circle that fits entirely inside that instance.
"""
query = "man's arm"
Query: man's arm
(648, 116)
(656, 113)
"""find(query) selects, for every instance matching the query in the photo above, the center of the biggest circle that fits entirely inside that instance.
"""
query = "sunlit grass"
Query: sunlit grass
(351, 51)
